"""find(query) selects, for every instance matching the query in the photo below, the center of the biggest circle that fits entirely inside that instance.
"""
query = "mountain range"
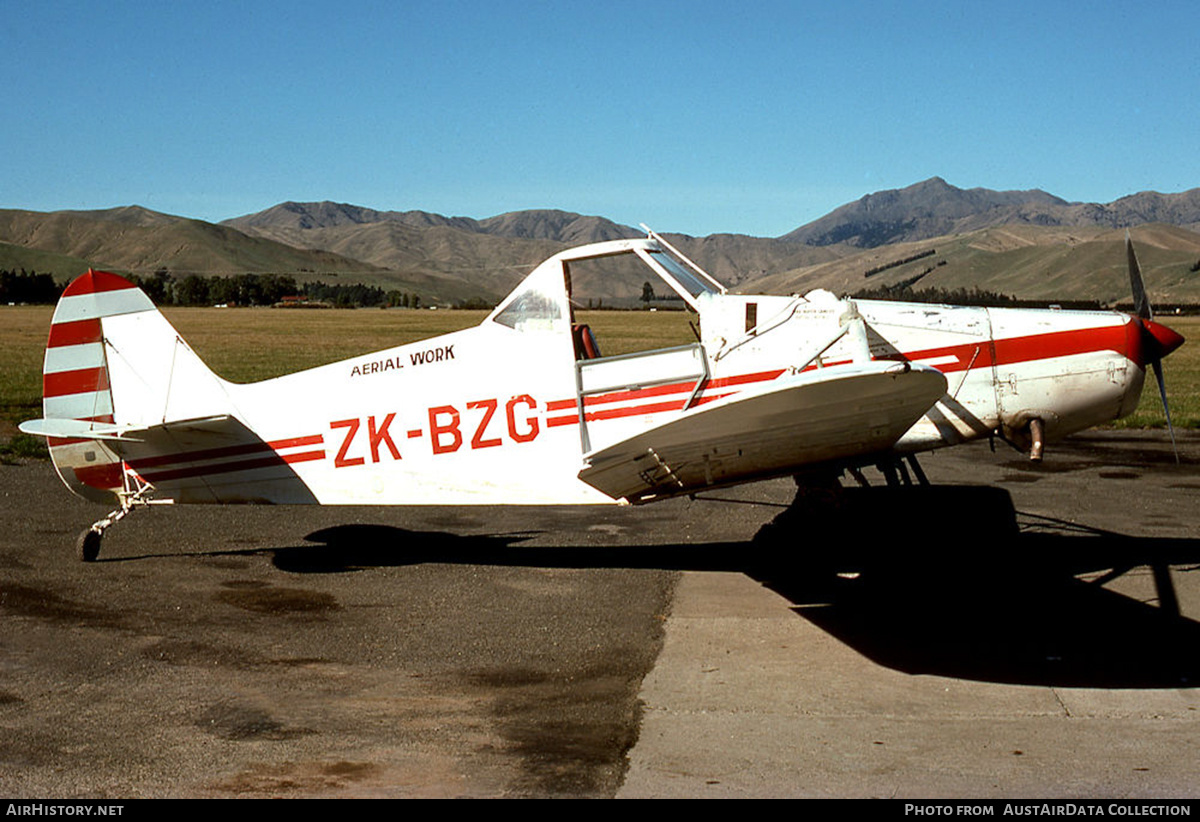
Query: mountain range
(1027, 243)
(935, 208)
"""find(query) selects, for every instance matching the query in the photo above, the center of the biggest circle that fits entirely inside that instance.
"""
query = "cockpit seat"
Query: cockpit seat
(585, 342)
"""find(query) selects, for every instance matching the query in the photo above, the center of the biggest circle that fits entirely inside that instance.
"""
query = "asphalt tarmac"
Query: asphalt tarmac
(1013, 630)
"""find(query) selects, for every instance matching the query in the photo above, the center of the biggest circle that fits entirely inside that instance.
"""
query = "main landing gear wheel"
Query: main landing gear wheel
(88, 545)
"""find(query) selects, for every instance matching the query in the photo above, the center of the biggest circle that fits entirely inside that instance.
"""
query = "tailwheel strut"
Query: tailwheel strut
(135, 492)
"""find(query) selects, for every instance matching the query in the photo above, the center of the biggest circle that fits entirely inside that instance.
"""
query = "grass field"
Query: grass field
(251, 344)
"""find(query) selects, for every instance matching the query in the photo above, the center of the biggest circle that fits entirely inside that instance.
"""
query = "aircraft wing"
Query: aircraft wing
(817, 416)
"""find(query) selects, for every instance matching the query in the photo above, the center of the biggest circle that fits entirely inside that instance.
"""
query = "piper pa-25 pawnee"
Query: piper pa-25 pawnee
(524, 409)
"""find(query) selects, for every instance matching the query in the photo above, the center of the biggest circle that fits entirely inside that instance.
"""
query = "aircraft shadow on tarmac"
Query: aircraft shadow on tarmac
(951, 581)
(947, 581)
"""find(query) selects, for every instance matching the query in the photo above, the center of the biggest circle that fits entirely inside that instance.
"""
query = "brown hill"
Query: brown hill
(738, 260)
(534, 224)
(1024, 261)
(934, 208)
(140, 241)
(1024, 243)
(559, 226)
(494, 253)
(326, 214)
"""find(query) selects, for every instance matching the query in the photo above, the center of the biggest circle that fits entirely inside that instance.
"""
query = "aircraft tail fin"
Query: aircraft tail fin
(114, 366)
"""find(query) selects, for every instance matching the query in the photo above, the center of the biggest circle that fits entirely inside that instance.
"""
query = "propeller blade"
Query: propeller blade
(1141, 303)
(1162, 392)
(1157, 340)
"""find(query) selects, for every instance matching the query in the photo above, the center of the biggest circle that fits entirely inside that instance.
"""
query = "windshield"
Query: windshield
(688, 279)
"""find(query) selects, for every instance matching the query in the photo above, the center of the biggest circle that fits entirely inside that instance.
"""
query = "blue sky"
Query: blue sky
(691, 116)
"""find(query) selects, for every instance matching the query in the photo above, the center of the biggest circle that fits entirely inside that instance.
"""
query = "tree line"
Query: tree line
(929, 252)
(904, 292)
(21, 286)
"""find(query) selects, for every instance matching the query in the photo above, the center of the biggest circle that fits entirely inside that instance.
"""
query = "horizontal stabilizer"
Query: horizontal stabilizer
(78, 429)
(83, 429)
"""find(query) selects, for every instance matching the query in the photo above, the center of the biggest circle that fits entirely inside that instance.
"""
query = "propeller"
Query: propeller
(1157, 341)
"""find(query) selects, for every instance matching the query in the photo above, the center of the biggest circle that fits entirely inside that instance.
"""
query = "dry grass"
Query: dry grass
(250, 344)
(23, 332)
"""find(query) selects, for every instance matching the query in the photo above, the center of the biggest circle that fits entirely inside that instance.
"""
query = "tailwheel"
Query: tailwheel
(134, 493)
(88, 545)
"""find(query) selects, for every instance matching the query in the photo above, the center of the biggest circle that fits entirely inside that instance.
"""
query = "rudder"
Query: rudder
(114, 363)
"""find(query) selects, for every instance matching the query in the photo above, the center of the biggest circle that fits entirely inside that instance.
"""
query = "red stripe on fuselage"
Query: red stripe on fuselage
(1060, 344)
(108, 475)
(225, 452)
(159, 468)
(295, 442)
(104, 476)
(199, 456)
(304, 456)
(272, 460)
(676, 388)
(1014, 350)
(742, 379)
(637, 394)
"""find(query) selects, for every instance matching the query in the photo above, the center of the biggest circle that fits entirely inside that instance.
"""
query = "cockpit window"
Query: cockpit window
(531, 310)
(605, 275)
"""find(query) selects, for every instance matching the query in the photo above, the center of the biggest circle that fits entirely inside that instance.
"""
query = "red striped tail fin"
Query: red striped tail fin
(76, 384)
(75, 381)
(113, 364)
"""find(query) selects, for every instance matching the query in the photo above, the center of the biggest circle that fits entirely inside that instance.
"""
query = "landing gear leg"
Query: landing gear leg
(916, 469)
(895, 471)
(811, 512)
(88, 544)
(888, 469)
(135, 492)
(858, 476)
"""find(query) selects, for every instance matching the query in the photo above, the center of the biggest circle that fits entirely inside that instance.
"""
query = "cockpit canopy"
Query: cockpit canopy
(543, 299)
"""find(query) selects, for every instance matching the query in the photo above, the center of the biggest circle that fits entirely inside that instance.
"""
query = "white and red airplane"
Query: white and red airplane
(522, 409)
